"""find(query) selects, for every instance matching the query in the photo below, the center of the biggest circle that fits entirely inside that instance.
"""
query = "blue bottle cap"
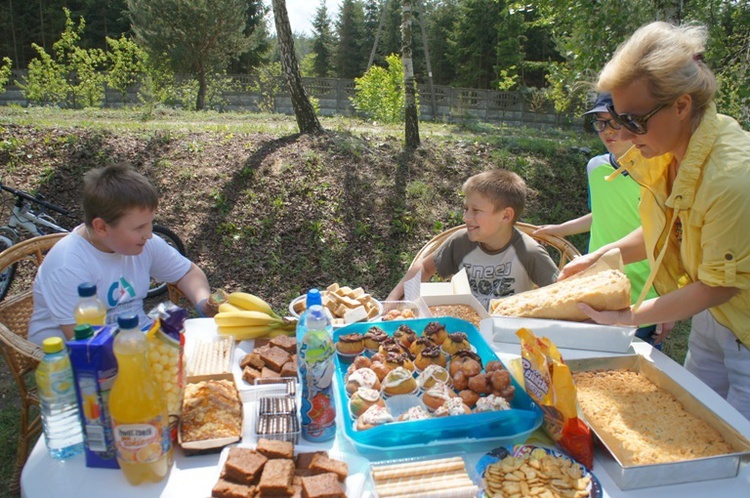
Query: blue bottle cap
(87, 289)
(127, 321)
(313, 298)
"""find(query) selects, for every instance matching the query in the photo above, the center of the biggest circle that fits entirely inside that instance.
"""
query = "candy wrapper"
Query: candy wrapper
(548, 381)
(166, 343)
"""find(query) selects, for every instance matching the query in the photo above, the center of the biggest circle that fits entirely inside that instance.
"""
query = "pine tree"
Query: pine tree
(351, 56)
(322, 45)
(198, 37)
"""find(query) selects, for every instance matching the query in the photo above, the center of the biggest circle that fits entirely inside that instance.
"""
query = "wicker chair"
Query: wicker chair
(21, 355)
(560, 249)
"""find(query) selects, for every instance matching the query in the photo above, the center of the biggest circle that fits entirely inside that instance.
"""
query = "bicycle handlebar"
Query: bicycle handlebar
(41, 202)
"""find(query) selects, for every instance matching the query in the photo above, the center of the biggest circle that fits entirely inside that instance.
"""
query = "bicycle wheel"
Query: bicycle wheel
(158, 288)
(7, 274)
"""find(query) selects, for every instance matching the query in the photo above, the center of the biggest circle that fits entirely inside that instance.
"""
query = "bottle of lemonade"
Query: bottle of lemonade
(138, 409)
(89, 310)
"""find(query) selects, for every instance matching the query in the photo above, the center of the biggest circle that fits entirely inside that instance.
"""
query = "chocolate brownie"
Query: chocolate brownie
(267, 373)
(243, 465)
(277, 477)
(304, 459)
(322, 486)
(274, 358)
(273, 448)
(288, 344)
(252, 360)
(249, 374)
(229, 489)
(322, 463)
(289, 369)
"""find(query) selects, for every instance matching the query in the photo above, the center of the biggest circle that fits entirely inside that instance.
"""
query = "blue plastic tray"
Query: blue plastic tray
(507, 427)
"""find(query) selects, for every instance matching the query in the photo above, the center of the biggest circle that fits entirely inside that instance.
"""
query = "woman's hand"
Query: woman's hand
(577, 265)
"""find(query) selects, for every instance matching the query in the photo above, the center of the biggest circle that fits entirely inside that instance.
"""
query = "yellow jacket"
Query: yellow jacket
(711, 199)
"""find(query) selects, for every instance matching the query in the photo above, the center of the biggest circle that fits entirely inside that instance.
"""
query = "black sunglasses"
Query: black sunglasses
(599, 125)
(633, 122)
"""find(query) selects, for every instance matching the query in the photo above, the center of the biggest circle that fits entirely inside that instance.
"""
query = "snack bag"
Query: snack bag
(548, 381)
(165, 354)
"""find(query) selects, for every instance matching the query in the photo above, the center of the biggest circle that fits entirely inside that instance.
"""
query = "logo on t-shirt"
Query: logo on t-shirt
(119, 291)
(491, 282)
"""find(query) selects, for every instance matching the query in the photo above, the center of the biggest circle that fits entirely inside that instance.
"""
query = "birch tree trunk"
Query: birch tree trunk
(411, 120)
(307, 121)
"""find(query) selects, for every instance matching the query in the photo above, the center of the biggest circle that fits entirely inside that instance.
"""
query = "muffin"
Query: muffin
(430, 356)
(418, 345)
(454, 406)
(405, 335)
(362, 377)
(435, 331)
(432, 374)
(380, 369)
(436, 396)
(351, 344)
(455, 342)
(373, 337)
(395, 360)
(414, 413)
(399, 381)
(491, 403)
(390, 345)
(374, 416)
(363, 399)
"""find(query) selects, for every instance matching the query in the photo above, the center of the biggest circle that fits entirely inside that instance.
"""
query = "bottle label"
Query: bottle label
(316, 370)
(141, 443)
(55, 380)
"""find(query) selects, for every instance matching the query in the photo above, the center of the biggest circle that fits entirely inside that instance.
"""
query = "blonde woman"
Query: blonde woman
(693, 166)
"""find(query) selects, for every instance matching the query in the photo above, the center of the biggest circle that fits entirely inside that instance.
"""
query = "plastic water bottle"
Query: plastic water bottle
(60, 419)
(315, 353)
(89, 310)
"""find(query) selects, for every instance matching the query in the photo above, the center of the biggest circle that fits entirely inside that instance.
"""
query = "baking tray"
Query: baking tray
(699, 469)
(507, 427)
(565, 334)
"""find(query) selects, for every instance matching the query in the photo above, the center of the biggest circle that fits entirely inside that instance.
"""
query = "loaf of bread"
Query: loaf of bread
(604, 291)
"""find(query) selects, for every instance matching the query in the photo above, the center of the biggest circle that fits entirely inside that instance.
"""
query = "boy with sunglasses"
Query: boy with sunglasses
(613, 204)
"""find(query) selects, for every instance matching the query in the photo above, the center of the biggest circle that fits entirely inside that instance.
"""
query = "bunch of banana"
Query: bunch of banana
(246, 316)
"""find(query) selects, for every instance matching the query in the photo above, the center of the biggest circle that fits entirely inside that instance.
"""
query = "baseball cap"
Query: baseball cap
(602, 101)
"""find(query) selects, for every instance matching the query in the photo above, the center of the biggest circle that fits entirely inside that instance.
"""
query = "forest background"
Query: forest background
(545, 49)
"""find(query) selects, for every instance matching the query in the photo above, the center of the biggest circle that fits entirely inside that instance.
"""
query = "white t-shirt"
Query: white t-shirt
(122, 282)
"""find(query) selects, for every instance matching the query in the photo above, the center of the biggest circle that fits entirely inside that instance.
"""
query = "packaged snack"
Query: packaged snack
(165, 353)
(95, 370)
(549, 382)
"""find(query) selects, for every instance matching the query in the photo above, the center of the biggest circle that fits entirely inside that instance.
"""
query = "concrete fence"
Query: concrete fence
(441, 103)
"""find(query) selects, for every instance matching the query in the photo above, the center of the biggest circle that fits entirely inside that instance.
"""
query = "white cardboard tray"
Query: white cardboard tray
(565, 334)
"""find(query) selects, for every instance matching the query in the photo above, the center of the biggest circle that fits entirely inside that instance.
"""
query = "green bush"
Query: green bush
(5, 73)
(380, 92)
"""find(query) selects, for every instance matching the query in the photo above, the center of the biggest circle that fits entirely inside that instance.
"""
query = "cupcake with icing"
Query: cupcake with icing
(452, 407)
(430, 356)
(373, 417)
(491, 403)
(362, 377)
(431, 375)
(373, 337)
(395, 360)
(455, 342)
(414, 413)
(436, 396)
(362, 399)
(398, 381)
(435, 331)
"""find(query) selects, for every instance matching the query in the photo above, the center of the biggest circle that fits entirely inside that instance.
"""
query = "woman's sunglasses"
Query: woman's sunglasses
(633, 122)
(599, 125)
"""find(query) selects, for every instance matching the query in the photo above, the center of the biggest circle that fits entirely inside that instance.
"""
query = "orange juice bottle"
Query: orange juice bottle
(138, 409)
(89, 310)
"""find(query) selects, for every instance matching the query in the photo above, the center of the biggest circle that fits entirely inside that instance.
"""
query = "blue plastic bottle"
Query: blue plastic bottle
(54, 378)
(315, 353)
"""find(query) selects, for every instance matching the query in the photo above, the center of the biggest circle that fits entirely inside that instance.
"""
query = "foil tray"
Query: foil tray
(699, 469)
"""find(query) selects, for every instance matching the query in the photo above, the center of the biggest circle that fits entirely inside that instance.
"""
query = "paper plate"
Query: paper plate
(594, 488)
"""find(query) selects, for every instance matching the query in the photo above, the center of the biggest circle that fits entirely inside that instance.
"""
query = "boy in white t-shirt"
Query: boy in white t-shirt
(499, 259)
(116, 250)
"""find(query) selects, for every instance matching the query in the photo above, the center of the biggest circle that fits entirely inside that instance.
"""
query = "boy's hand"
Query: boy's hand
(577, 265)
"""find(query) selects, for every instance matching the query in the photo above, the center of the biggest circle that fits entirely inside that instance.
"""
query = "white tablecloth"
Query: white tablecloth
(195, 476)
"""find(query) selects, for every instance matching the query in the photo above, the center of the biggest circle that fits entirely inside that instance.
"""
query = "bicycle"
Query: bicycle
(25, 220)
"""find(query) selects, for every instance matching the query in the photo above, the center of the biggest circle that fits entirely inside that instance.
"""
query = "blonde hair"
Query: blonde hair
(109, 192)
(670, 58)
(501, 187)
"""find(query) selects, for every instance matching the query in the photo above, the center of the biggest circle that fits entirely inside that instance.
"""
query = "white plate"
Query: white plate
(358, 466)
